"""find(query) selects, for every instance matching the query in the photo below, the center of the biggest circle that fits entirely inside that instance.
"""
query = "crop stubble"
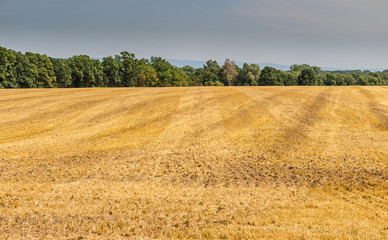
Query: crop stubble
(201, 162)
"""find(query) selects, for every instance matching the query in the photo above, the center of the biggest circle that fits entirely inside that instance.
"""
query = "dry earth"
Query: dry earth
(194, 163)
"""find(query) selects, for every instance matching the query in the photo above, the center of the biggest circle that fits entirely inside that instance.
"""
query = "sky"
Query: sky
(350, 34)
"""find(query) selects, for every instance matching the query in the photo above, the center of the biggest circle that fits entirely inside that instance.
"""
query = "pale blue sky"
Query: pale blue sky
(330, 33)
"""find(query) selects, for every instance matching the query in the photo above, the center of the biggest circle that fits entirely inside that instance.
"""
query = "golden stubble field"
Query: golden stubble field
(194, 163)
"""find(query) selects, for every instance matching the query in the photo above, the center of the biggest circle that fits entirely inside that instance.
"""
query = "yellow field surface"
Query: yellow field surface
(194, 163)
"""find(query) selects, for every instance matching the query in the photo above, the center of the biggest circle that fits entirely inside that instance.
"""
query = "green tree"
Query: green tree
(180, 78)
(307, 77)
(146, 76)
(111, 71)
(62, 72)
(340, 79)
(384, 77)
(211, 72)
(349, 80)
(7, 68)
(31, 70)
(270, 77)
(197, 78)
(42, 70)
(168, 74)
(164, 71)
(24, 71)
(321, 79)
(330, 79)
(128, 65)
(362, 80)
(249, 75)
(288, 78)
(189, 70)
(229, 72)
(299, 68)
(86, 72)
(98, 73)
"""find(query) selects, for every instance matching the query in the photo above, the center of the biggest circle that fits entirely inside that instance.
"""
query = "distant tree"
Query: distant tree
(340, 79)
(62, 72)
(43, 70)
(111, 71)
(321, 78)
(86, 72)
(384, 77)
(307, 77)
(316, 69)
(217, 83)
(25, 72)
(379, 78)
(189, 70)
(35, 70)
(229, 72)
(46, 74)
(374, 79)
(98, 73)
(249, 75)
(32, 70)
(7, 68)
(330, 79)
(299, 68)
(180, 78)
(362, 80)
(164, 71)
(288, 78)
(197, 78)
(211, 72)
(270, 77)
(146, 76)
(168, 74)
(320, 82)
(349, 79)
(127, 70)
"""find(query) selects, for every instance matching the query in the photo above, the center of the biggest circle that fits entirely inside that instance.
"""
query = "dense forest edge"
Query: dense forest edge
(34, 70)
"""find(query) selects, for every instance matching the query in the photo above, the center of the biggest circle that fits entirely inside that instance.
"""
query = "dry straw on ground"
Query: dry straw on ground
(194, 163)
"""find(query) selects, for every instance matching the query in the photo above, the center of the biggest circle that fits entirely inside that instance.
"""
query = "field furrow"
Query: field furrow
(194, 163)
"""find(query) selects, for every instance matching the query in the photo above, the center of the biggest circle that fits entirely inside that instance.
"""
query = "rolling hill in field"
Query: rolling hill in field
(199, 162)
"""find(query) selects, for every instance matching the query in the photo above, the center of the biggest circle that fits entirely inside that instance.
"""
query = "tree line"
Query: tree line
(33, 70)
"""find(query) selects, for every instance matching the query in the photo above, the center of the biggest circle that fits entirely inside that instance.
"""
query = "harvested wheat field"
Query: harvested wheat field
(194, 163)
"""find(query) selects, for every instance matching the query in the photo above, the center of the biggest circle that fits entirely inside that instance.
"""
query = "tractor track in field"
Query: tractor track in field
(75, 115)
(376, 109)
(196, 163)
(141, 114)
(192, 170)
(293, 135)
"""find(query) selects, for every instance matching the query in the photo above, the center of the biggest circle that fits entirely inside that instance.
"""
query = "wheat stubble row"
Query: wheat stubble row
(205, 162)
